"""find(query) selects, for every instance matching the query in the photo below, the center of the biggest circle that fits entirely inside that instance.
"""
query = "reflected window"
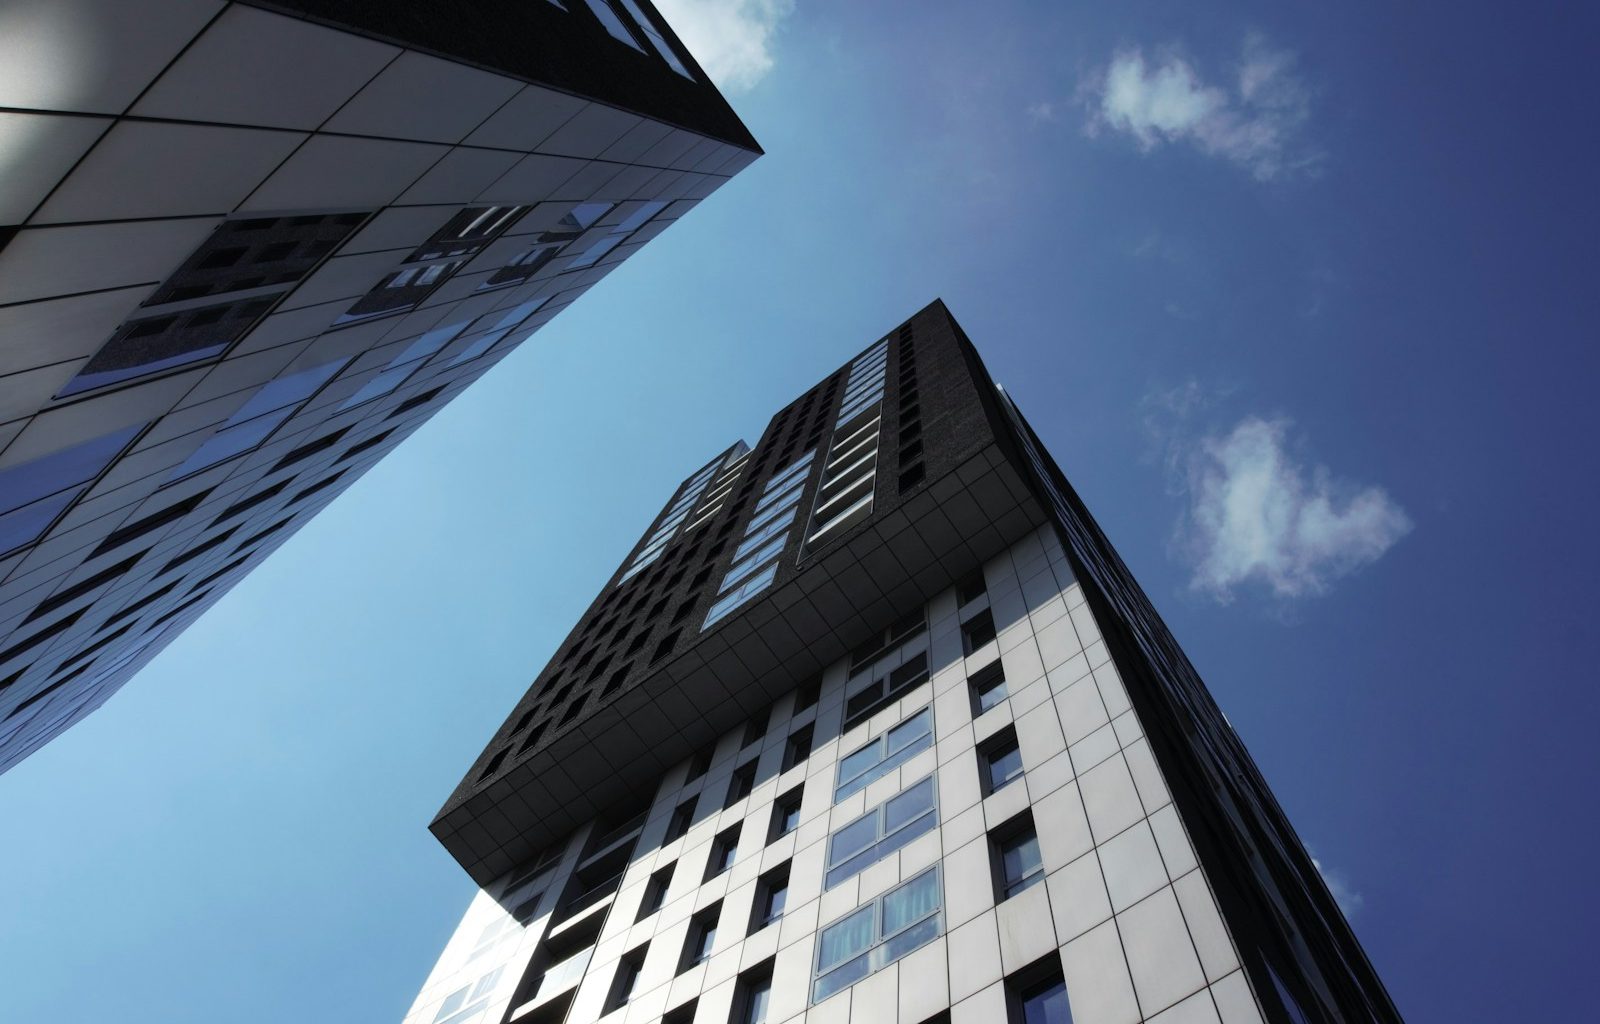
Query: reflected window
(434, 262)
(153, 344)
(878, 934)
(1017, 862)
(266, 410)
(988, 686)
(881, 831)
(1001, 761)
(34, 493)
(657, 40)
(884, 754)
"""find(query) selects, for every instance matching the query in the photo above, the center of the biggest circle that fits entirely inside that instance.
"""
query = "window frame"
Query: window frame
(876, 951)
(888, 759)
(886, 840)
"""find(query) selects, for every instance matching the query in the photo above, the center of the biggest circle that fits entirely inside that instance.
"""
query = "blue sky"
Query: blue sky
(1301, 298)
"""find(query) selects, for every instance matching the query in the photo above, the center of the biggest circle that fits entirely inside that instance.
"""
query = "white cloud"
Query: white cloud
(1348, 899)
(1255, 124)
(732, 39)
(1256, 515)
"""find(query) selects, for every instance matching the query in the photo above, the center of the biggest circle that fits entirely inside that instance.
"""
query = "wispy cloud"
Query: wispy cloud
(1344, 894)
(1255, 120)
(732, 39)
(1256, 514)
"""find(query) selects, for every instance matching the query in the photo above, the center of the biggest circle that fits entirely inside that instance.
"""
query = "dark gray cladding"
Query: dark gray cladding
(584, 741)
(540, 42)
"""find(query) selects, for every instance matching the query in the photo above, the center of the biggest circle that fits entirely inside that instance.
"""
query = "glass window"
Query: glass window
(877, 934)
(977, 631)
(798, 747)
(1045, 1003)
(786, 814)
(656, 40)
(1002, 761)
(988, 687)
(702, 936)
(849, 938)
(255, 421)
(655, 892)
(757, 994)
(881, 831)
(742, 782)
(33, 493)
(730, 602)
(1020, 863)
(772, 894)
(884, 754)
(613, 24)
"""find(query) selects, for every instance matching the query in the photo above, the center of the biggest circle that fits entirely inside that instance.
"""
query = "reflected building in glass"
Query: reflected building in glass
(874, 725)
(248, 248)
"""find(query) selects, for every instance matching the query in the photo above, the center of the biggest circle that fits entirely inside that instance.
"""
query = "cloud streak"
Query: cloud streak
(731, 39)
(1254, 121)
(1255, 514)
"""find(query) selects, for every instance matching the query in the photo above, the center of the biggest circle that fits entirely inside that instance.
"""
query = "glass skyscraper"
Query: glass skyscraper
(247, 248)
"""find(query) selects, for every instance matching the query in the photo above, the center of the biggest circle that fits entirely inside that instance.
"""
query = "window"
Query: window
(1000, 760)
(656, 39)
(798, 747)
(34, 493)
(404, 364)
(1035, 999)
(742, 782)
(255, 421)
(167, 341)
(988, 686)
(655, 891)
(977, 631)
(772, 893)
(884, 754)
(466, 1003)
(150, 523)
(970, 589)
(881, 831)
(626, 979)
(887, 688)
(310, 448)
(1017, 864)
(807, 695)
(682, 818)
(878, 934)
(527, 908)
(785, 814)
(754, 729)
(683, 1014)
(62, 598)
(702, 936)
(723, 849)
(752, 994)
(700, 763)
(434, 262)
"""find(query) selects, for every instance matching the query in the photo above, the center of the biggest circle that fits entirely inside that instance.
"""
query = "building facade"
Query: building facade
(873, 725)
(248, 248)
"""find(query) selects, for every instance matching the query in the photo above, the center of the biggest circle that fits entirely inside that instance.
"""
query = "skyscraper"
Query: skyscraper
(874, 725)
(247, 248)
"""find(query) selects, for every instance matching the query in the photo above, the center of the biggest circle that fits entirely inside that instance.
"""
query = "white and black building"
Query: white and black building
(873, 725)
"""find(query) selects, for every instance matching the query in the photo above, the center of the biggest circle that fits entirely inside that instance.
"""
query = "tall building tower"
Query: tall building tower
(874, 725)
(247, 248)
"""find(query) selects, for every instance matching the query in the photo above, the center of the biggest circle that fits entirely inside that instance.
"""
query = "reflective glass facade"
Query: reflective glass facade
(276, 238)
